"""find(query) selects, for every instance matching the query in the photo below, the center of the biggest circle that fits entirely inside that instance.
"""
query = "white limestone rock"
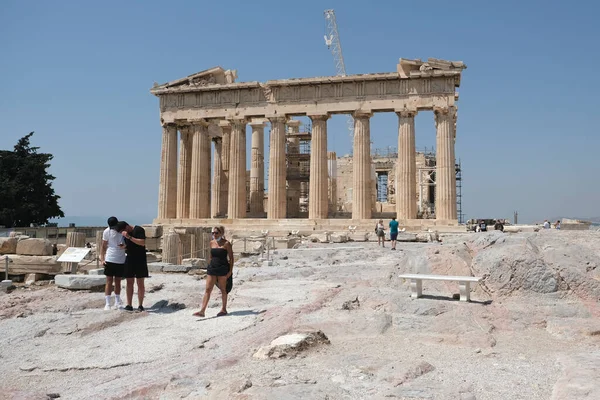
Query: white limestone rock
(8, 245)
(177, 268)
(34, 247)
(319, 237)
(339, 237)
(99, 271)
(5, 286)
(79, 282)
(289, 345)
(195, 263)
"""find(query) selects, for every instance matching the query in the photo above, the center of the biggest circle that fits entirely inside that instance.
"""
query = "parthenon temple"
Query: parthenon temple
(200, 181)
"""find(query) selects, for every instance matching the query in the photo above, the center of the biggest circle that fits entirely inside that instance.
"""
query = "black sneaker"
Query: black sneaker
(141, 309)
(128, 308)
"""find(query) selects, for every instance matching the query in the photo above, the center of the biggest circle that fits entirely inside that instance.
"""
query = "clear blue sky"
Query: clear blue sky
(78, 73)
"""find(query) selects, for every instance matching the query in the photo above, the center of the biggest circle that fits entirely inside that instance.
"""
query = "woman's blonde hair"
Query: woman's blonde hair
(220, 228)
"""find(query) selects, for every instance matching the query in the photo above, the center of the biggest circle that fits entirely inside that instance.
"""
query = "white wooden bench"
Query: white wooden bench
(416, 283)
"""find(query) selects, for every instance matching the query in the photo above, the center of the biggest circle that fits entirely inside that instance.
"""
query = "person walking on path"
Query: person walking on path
(380, 231)
(136, 266)
(219, 271)
(393, 232)
(112, 257)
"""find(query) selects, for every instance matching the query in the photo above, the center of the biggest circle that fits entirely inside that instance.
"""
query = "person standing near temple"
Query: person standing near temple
(136, 266)
(393, 232)
(219, 271)
(112, 257)
(380, 232)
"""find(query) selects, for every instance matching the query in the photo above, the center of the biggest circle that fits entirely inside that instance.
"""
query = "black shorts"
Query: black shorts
(112, 269)
(393, 236)
(136, 271)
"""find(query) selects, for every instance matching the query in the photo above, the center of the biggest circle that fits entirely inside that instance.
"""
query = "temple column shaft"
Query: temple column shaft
(445, 173)
(184, 173)
(199, 192)
(317, 191)
(236, 203)
(225, 153)
(257, 170)
(217, 190)
(276, 206)
(332, 176)
(167, 189)
(361, 185)
(406, 187)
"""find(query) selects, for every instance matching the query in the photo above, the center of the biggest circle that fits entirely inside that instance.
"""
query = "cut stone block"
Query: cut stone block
(21, 265)
(195, 263)
(34, 247)
(153, 231)
(99, 271)
(177, 268)
(152, 244)
(79, 282)
(32, 278)
(5, 285)
(8, 245)
(155, 268)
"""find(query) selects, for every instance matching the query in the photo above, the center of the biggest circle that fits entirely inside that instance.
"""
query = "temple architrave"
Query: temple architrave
(211, 112)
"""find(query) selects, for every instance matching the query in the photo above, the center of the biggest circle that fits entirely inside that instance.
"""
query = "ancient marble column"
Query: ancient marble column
(257, 169)
(199, 193)
(217, 190)
(276, 206)
(406, 186)
(184, 172)
(373, 188)
(225, 150)
(167, 187)
(236, 203)
(445, 172)
(293, 168)
(317, 191)
(361, 182)
(332, 180)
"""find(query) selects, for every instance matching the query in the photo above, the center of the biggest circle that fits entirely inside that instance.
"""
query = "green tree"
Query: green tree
(26, 193)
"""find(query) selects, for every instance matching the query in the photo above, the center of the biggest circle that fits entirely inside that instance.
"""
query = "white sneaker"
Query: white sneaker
(119, 305)
(107, 307)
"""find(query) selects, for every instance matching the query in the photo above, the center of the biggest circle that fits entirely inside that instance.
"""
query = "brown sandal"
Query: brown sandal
(198, 314)
(222, 314)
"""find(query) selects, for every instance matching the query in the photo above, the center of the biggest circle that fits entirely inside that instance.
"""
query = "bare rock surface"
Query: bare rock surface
(530, 332)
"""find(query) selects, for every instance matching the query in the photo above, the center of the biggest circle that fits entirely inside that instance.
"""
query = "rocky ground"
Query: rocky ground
(532, 330)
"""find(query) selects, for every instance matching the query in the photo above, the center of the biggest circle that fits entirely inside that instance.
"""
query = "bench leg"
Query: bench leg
(465, 291)
(416, 288)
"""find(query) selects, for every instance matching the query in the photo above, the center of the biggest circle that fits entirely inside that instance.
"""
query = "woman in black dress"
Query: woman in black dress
(220, 268)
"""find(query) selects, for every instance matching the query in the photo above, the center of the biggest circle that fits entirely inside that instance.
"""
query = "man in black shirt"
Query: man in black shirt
(136, 266)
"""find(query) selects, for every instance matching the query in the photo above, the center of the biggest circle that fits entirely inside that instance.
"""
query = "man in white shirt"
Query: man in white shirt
(113, 258)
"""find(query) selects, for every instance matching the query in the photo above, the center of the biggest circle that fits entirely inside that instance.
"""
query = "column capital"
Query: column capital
(362, 114)
(237, 122)
(319, 117)
(168, 125)
(277, 118)
(450, 110)
(257, 123)
(406, 113)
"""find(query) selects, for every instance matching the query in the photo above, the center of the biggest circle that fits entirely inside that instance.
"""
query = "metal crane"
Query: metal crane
(332, 40)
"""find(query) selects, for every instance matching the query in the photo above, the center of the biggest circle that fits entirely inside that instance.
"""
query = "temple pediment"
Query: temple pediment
(208, 77)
